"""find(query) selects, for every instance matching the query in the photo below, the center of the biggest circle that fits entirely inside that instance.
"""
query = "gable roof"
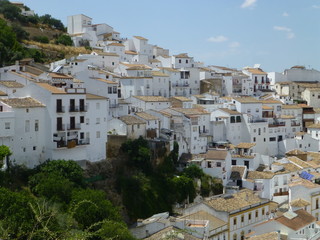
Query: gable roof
(152, 98)
(216, 154)
(27, 102)
(302, 219)
(131, 120)
(11, 84)
(50, 88)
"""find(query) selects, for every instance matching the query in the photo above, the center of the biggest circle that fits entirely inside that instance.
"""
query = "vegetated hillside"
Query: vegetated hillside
(45, 32)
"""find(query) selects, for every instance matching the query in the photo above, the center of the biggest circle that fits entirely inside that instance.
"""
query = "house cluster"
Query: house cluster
(258, 132)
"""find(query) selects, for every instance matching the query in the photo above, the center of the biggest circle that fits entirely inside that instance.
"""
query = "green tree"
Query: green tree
(185, 189)
(64, 40)
(15, 215)
(139, 154)
(41, 39)
(68, 169)
(9, 46)
(52, 186)
(90, 206)
(113, 230)
(193, 171)
(4, 153)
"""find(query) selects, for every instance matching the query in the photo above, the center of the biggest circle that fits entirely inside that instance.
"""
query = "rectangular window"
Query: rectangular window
(7, 125)
(98, 134)
(97, 106)
(82, 135)
(81, 119)
(234, 221)
(242, 218)
(249, 216)
(114, 89)
(109, 89)
(36, 125)
(234, 162)
(257, 214)
(98, 121)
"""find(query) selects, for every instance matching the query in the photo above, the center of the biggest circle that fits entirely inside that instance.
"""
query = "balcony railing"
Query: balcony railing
(61, 127)
(74, 109)
(83, 108)
(74, 126)
(114, 105)
(181, 85)
(60, 109)
(85, 141)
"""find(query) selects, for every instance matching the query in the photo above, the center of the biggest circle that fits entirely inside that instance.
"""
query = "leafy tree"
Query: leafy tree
(4, 152)
(9, 46)
(66, 168)
(193, 171)
(15, 215)
(91, 206)
(52, 186)
(113, 230)
(139, 154)
(20, 33)
(64, 40)
(185, 188)
(10, 11)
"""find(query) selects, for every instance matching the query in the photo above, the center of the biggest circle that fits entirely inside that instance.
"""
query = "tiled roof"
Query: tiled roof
(290, 167)
(182, 99)
(111, 54)
(169, 69)
(181, 55)
(11, 84)
(159, 74)
(291, 106)
(90, 96)
(295, 152)
(3, 94)
(140, 38)
(271, 101)
(237, 172)
(247, 100)
(231, 112)
(256, 71)
(129, 65)
(27, 102)
(131, 120)
(287, 117)
(315, 125)
(260, 175)
(299, 203)
(116, 44)
(191, 111)
(152, 98)
(146, 116)
(130, 52)
(302, 219)
(245, 145)
(52, 89)
(216, 154)
(264, 107)
(265, 236)
(303, 182)
(241, 199)
(214, 222)
(299, 162)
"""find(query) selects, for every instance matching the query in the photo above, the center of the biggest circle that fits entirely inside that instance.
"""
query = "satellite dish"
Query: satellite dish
(257, 65)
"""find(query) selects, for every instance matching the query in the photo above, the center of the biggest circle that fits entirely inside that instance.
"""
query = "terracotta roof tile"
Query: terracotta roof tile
(302, 219)
(27, 102)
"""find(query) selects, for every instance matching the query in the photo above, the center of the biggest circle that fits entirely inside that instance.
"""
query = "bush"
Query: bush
(64, 40)
(41, 39)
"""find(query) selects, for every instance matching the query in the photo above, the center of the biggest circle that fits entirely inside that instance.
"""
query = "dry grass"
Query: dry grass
(67, 50)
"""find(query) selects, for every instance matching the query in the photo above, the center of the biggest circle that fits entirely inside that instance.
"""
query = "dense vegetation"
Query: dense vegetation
(147, 189)
(53, 202)
(13, 34)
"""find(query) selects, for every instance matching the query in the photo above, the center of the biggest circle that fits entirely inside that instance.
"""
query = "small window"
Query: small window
(34, 148)
(98, 134)
(234, 221)
(7, 125)
(179, 60)
(249, 216)
(81, 119)
(27, 110)
(36, 125)
(242, 218)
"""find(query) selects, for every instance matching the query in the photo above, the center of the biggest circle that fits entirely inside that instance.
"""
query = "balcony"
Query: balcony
(74, 109)
(76, 126)
(295, 124)
(181, 85)
(61, 127)
(85, 141)
(83, 108)
(60, 109)
(280, 124)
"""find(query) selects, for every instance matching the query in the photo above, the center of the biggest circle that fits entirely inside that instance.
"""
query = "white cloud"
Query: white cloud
(285, 14)
(316, 6)
(248, 3)
(217, 39)
(289, 32)
(234, 44)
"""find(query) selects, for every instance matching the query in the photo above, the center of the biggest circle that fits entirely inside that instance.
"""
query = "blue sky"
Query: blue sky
(236, 33)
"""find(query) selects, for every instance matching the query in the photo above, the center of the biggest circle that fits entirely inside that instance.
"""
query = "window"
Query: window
(36, 125)
(97, 120)
(109, 89)
(114, 89)
(259, 131)
(262, 211)
(257, 214)
(179, 60)
(242, 218)
(187, 61)
(98, 134)
(249, 216)
(97, 106)
(234, 162)
(81, 119)
(87, 121)
(254, 139)
(235, 221)
(317, 203)
(82, 135)
(233, 119)
(34, 148)
(235, 236)
(257, 109)
(7, 125)
(27, 126)
(218, 164)
(272, 139)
